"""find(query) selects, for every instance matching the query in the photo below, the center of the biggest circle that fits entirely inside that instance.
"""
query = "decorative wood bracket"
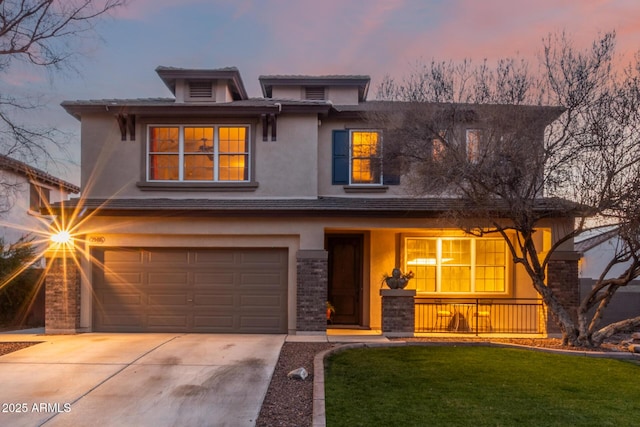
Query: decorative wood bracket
(268, 120)
(127, 124)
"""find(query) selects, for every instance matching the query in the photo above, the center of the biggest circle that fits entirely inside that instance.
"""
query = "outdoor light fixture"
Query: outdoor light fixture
(61, 237)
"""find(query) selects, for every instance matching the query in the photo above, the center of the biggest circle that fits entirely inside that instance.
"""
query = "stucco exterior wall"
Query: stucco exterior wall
(341, 95)
(110, 166)
(286, 167)
(287, 92)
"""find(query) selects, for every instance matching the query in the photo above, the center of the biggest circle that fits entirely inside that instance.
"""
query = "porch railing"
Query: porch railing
(480, 315)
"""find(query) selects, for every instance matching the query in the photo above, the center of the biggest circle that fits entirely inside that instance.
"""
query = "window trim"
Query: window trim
(181, 184)
(508, 272)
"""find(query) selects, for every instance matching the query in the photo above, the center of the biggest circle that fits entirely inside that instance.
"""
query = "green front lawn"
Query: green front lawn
(478, 386)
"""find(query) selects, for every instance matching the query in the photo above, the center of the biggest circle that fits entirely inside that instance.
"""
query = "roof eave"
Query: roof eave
(178, 110)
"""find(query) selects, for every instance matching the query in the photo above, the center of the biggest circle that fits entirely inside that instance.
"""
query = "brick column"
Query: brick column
(398, 312)
(311, 307)
(563, 280)
(62, 295)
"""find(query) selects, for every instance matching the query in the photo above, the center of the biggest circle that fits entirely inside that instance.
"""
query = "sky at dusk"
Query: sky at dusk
(372, 37)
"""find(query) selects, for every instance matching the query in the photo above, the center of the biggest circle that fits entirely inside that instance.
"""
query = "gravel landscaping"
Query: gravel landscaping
(10, 347)
(289, 402)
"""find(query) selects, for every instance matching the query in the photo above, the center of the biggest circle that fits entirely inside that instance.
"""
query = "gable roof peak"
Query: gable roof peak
(19, 167)
(361, 81)
(169, 75)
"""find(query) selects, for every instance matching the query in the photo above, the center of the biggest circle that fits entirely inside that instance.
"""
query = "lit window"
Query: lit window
(190, 153)
(438, 145)
(233, 154)
(473, 139)
(457, 265)
(366, 157)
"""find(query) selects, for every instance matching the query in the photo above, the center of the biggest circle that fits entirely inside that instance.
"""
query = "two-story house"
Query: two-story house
(214, 212)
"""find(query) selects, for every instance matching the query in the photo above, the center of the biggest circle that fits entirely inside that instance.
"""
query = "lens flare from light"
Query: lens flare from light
(61, 237)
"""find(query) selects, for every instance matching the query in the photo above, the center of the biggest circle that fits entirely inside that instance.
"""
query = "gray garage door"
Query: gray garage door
(190, 290)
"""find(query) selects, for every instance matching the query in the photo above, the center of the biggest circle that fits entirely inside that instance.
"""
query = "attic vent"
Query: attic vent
(200, 89)
(314, 93)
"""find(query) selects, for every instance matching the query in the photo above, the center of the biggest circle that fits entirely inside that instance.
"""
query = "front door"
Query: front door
(345, 277)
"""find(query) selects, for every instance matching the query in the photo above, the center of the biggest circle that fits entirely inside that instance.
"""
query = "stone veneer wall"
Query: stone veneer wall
(398, 312)
(311, 311)
(562, 278)
(62, 296)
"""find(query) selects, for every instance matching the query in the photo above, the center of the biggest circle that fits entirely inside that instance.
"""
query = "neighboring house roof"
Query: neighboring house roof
(361, 81)
(595, 237)
(30, 172)
(322, 206)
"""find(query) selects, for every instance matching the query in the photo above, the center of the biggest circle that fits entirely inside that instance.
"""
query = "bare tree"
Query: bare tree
(556, 141)
(42, 34)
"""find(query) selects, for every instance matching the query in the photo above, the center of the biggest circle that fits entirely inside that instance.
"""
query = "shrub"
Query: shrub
(19, 281)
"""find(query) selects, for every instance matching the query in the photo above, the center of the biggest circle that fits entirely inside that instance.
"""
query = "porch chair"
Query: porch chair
(444, 317)
(482, 315)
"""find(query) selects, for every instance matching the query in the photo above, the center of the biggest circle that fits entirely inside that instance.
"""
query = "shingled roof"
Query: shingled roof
(24, 169)
(322, 206)
(159, 106)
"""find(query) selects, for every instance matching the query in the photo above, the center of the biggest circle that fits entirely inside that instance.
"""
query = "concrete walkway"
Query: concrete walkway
(100, 379)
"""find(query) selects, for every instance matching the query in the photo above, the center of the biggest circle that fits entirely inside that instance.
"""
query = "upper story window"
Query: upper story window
(457, 265)
(39, 197)
(438, 145)
(473, 139)
(366, 157)
(358, 160)
(217, 153)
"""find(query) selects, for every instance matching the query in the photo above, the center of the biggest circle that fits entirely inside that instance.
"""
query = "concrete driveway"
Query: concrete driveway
(100, 379)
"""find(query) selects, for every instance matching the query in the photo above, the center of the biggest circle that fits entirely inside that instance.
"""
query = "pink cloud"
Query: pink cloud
(139, 10)
(495, 28)
(385, 36)
(20, 76)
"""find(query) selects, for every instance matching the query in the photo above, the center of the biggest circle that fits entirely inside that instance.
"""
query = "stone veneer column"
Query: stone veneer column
(311, 307)
(563, 280)
(62, 295)
(398, 312)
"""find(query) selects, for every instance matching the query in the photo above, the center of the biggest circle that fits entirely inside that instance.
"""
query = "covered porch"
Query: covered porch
(462, 284)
